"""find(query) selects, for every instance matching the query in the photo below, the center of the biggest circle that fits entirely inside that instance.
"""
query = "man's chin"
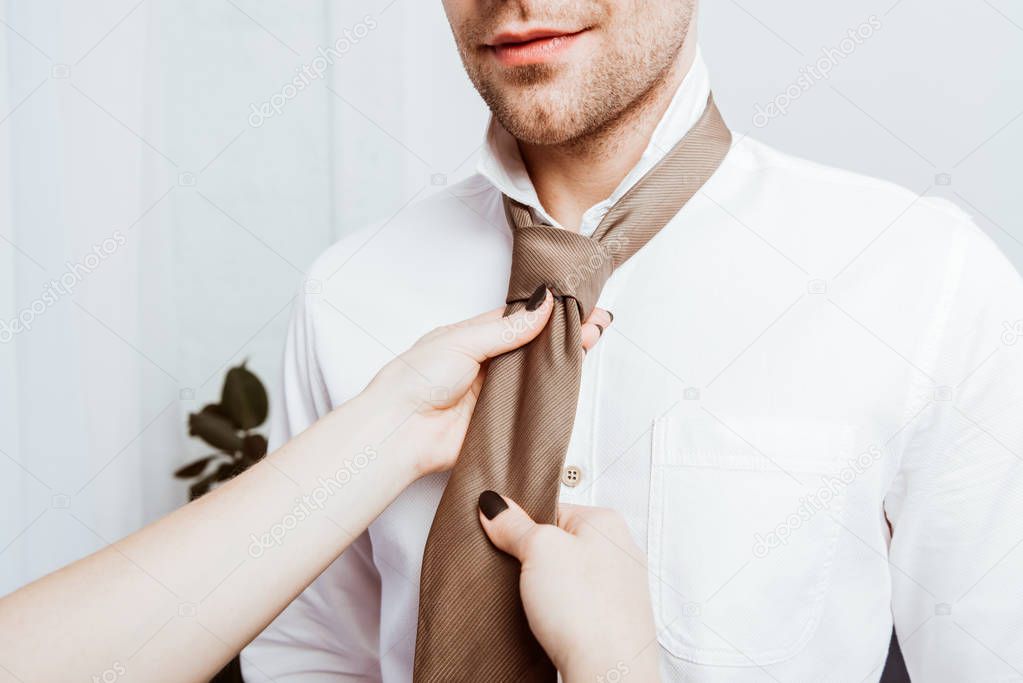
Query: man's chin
(539, 117)
(538, 130)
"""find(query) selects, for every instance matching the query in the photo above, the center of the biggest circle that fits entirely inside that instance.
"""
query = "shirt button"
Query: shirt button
(571, 476)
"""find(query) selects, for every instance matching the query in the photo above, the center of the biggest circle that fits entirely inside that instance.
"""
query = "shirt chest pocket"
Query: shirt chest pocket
(744, 520)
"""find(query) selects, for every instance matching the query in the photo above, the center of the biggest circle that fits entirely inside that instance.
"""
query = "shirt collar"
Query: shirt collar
(501, 164)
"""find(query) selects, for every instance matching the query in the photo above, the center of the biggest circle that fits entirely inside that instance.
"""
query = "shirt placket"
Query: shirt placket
(579, 459)
(581, 471)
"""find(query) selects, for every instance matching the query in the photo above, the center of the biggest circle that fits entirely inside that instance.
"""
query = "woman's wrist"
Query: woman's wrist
(601, 664)
(388, 426)
(349, 443)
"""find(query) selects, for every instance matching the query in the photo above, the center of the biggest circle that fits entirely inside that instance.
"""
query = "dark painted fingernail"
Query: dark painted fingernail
(601, 328)
(492, 504)
(537, 298)
(610, 317)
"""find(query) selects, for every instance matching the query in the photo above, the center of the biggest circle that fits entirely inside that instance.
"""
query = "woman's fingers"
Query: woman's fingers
(490, 335)
(570, 517)
(505, 522)
(594, 327)
(584, 520)
(508, 526)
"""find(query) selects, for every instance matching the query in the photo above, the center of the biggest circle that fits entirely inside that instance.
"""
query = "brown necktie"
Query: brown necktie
(472, 626)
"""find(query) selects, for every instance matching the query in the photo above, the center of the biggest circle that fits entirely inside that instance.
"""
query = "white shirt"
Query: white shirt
(801, 351)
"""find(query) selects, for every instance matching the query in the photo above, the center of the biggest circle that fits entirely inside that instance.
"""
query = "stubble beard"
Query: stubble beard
(586, 112)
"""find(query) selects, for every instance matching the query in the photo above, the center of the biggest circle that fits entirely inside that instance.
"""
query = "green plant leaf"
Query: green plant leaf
(194, 469)
(222, 473)
(215, 430)
(200, 487)
(216, 409)
(244, 398)
(197, 489)
(226, 471)
(253, 448)
(238, 468)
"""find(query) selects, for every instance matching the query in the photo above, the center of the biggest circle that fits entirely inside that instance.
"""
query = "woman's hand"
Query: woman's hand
(436, 382)
(584, 588)
(242, 552)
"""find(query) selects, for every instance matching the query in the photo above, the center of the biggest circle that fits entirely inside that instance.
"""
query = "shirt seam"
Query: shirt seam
(930, 350)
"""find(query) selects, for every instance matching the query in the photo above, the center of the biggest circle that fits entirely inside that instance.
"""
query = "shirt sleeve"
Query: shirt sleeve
(331, 631)
(956, 506)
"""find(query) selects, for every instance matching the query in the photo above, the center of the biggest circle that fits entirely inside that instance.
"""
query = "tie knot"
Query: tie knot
(572, 265)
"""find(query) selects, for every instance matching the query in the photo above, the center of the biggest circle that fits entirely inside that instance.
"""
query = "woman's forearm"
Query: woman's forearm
(178, 599)
(593, 665)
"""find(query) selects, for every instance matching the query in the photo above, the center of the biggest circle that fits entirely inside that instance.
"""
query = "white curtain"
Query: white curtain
(132, 165)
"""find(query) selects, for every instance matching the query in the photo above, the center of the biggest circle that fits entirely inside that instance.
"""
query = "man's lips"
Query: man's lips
(531, 47)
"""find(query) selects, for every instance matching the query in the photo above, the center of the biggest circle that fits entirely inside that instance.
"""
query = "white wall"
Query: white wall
(937, 89)
(158, 94)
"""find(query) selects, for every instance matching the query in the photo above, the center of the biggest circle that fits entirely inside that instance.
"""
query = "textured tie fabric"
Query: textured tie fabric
(472, 626)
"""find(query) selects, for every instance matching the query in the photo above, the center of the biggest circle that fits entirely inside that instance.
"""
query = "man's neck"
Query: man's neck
(571, 177)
